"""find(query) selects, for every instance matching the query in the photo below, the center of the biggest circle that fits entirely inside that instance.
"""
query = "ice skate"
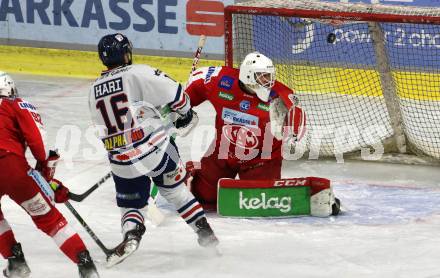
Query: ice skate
(127, 247)
(86, 267)
(206, 235)
(17, 266)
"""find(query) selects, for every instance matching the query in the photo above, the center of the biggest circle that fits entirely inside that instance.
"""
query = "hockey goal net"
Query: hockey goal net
(366, 75)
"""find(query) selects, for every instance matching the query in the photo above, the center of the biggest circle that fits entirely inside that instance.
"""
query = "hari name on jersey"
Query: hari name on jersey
(125, 104)
(242, 119)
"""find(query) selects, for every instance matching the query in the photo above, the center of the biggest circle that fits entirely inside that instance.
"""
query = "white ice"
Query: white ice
(389, 226)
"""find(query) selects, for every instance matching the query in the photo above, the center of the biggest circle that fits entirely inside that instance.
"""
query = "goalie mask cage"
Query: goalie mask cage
(367, 75)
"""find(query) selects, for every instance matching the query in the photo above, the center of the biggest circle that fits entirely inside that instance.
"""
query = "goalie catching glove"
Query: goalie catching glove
(287, 124)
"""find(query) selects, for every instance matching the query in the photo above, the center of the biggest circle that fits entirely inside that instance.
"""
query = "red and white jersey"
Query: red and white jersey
(242, 119)
(21, 126)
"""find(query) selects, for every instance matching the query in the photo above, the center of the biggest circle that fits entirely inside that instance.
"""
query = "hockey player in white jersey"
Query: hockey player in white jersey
(124, 105)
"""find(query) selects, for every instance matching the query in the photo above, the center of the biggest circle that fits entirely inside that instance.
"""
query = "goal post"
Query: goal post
(366, 74)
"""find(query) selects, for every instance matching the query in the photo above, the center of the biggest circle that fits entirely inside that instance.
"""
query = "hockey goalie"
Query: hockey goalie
(255, 116)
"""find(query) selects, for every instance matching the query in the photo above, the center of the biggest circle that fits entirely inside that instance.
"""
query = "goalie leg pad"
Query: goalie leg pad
(321, 203)
(322, 200)
(264, 201)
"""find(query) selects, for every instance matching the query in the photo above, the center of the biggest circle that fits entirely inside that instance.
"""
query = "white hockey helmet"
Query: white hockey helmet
(257, 73)
(7, 85)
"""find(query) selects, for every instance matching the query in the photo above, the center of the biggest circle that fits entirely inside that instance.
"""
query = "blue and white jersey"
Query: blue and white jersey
(125, 105)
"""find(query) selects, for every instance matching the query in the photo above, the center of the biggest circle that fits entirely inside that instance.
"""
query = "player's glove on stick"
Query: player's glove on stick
(185, 123)
(61, 192)
(47, 167)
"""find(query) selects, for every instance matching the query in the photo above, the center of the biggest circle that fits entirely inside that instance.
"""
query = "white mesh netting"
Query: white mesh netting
(335, 68)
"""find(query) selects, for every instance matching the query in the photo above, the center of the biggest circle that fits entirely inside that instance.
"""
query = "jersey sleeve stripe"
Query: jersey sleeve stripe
(178, 97)
(180, 104)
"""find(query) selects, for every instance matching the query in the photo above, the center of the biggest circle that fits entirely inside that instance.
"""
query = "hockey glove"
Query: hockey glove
(185, 123)
(295, 128)
(184, 120)
(61, 192)
(47, 167)
(278, 113)
(191, 172)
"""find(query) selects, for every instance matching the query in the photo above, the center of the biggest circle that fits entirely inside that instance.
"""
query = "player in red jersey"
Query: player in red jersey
(21, 126)
(248, 143)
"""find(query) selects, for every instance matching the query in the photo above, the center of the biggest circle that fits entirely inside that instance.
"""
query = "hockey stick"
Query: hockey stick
(153, 212)
(165, 111)
(201, 44)
(168, 115)
(81, 197)
(83, 223)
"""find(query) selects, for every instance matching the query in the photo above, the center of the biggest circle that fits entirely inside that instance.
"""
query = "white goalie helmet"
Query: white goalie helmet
(257, 72)
(7, 85)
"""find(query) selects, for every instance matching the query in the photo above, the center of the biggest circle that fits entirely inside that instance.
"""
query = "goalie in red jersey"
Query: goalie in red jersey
(21, 126)
(255, 114)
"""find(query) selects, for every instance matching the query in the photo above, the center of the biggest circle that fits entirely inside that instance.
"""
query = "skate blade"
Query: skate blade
(22, 274)
(114, 258)
(218, 253)
(213, 251)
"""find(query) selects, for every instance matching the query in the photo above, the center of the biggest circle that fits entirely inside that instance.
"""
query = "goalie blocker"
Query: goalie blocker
(277, 198)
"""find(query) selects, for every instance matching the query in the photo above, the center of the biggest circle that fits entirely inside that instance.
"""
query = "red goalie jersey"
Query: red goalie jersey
(244, 144)
(21, 125)
(242, 119)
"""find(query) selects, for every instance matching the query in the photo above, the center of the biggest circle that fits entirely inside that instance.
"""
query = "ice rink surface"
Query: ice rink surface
(389, 226)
